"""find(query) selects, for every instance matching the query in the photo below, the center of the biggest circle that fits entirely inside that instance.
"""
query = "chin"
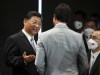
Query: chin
(35, 33)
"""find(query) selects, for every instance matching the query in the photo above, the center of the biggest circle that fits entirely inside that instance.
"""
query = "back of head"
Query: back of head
(63, 13)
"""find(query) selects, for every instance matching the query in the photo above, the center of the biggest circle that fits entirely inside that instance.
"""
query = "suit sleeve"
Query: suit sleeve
(40, 58)
(12, 55)
(82, 59)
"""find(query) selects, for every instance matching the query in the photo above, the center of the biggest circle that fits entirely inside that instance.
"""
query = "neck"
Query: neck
(28, 32)
(56, 22)
(59, 22)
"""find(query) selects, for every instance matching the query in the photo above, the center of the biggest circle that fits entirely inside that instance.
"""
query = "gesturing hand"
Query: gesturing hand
(28, 58)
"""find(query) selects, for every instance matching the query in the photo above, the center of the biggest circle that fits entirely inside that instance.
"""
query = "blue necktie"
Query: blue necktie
(32, 43)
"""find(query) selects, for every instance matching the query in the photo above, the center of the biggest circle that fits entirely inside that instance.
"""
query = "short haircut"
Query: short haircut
(63, 13)
(81, 13)
(32, 13)
(90, 20)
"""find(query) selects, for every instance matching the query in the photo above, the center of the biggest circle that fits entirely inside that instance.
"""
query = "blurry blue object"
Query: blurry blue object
(98, 26)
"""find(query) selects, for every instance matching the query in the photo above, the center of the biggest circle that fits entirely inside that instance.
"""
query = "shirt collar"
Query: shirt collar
(95, 54)
(61, 24)
(27, 35)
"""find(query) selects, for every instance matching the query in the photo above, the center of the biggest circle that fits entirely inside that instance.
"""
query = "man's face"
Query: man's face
(90, 24)
(96, 36)
(32, 25)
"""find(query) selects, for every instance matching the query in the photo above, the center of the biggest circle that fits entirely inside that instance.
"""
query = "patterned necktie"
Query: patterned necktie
(32, 43)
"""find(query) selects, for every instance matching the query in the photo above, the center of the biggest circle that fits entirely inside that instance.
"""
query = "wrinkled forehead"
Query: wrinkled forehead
(96, 34)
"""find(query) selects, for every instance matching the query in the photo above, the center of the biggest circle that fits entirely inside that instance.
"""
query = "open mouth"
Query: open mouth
(35, 30)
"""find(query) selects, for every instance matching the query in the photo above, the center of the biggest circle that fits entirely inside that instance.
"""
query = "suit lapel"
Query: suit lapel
(96, 64)
(25, 40)
(85, 43)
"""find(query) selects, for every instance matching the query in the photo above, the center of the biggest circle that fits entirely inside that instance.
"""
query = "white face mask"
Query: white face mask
(92, 44)
(78, 24)
(88, 32)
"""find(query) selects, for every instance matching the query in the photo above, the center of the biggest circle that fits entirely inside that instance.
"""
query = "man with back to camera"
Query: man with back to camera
(60, 51)
(20, 47)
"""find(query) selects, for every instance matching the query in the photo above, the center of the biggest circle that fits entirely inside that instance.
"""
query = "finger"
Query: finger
(24, 54)
(32, 56)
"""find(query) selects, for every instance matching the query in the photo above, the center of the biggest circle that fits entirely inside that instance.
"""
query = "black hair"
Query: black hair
(90, 20)
(63, 13)
(32, 13)
(81, 12)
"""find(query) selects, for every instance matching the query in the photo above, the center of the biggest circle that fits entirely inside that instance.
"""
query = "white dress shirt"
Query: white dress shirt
(93, 58)
(29, 37)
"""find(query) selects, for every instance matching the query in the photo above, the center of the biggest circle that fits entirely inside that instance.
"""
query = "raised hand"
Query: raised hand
(28, 58)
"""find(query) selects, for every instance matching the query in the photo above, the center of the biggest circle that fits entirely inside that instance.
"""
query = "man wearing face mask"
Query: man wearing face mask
(94, 45)
(96, 17)
(89, 27)
(79, 17)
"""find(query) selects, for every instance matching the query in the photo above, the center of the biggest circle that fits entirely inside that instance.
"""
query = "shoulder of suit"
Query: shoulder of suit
(16, 35)
(75, 33)
(46, 32)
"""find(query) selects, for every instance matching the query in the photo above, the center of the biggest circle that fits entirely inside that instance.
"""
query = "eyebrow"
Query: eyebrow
(34, 20)
(93, 36)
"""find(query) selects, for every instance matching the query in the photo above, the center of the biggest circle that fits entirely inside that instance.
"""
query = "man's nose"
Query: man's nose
(37, 25)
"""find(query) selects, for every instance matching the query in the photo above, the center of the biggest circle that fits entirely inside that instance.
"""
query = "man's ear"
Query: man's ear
(25, 20)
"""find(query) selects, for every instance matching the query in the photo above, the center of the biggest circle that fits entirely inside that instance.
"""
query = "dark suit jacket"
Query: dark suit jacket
(96, 67)
(85, 43)
(86, 47)
(15, 46)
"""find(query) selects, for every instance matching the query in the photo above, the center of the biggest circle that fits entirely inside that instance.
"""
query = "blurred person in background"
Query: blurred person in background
(96, 18)
(94, 46)
(79, 17)
(89, 26)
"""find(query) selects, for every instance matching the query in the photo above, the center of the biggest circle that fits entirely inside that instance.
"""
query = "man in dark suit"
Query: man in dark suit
(89, 27)
(20, 54)
(94, 45)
